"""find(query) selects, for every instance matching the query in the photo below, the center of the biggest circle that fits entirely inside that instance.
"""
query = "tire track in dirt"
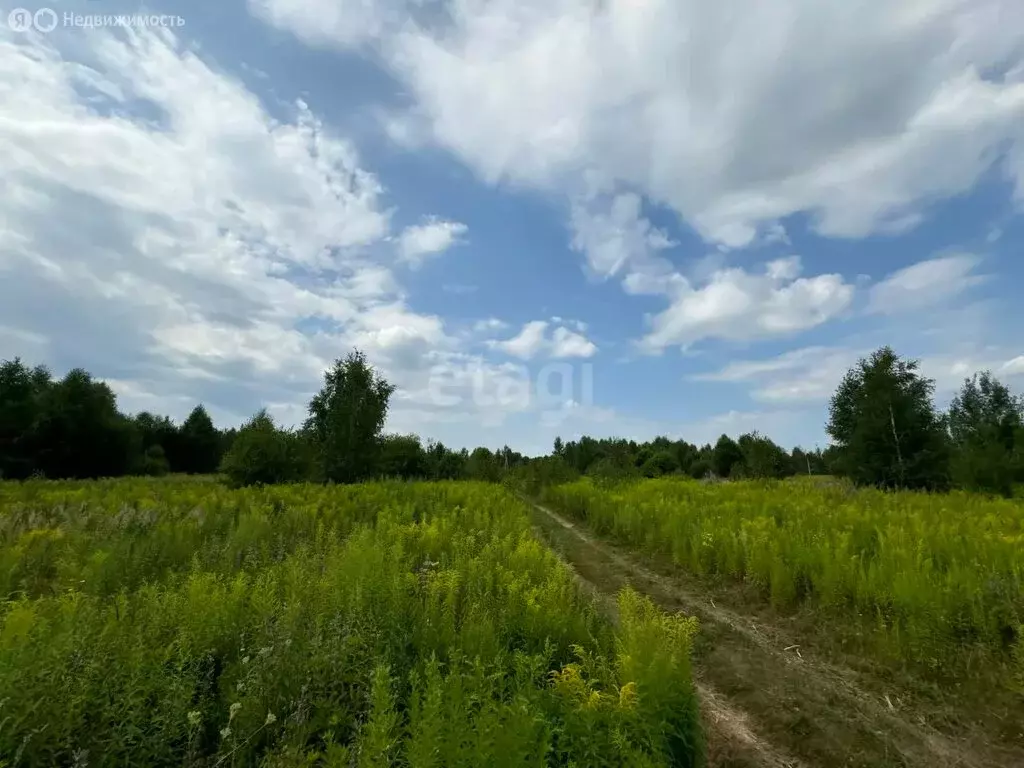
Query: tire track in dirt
(813, 710)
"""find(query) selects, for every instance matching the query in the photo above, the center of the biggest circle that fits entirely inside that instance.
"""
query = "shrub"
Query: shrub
(264, 454)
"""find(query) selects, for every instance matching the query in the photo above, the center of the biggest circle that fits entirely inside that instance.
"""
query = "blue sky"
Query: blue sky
(537, 217)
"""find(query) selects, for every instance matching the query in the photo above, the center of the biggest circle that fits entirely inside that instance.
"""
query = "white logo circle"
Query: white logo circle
(45, 19)
(20, 20)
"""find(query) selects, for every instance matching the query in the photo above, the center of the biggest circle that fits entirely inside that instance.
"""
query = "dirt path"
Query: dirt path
(767, 701)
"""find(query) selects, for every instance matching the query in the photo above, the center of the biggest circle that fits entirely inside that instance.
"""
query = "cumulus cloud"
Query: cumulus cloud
(715, 301)
(187, 225)
(925, 284)
(434, 236)
(735, 114)
(534, 340)
(735, 304)
(566, 343)
(161, 229)
(614, 236)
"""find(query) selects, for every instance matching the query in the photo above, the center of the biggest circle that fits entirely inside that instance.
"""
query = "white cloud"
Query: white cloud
(715, 301)
(735, 115)
(810, 375)
(350, 22)
(566, 343)
(950, 369)
(489, 324)
(612, 234)
(432, 237)
(807, 375)
(925, 284)
(533, 340)
(187, 224)
(187, 246)
(737, 305)
(528, 343)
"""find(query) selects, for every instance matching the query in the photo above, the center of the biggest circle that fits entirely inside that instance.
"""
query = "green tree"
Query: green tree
(21, 393)
(686, 454)
(985, 423)
(483, 465)
(885, 428)
(153, 462)
(726, 455)
(79, 431)
(660, 462)
(199, 443)
(151, 431)
(762, 458)
(264, 454)
(699, 469)
(346, 418)
(402, 456)
(443, 463)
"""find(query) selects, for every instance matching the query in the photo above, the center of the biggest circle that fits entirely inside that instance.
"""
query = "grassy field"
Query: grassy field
(180, 623)
(932, 582)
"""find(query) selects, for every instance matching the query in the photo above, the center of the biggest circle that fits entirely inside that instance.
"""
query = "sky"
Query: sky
(537, 218)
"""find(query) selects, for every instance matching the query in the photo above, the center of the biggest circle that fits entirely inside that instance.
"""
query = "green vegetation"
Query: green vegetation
(176, 622)
(884, 427)
(298, 611)
(934, 581)
(986, 426)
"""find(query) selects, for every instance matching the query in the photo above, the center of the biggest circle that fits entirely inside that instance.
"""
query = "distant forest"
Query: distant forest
(884, 428)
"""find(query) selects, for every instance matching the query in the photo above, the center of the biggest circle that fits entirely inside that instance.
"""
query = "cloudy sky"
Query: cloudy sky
(538, 217)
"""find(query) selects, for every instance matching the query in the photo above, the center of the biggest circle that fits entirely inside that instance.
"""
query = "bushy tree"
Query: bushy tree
(346, 418)
(699, 469)
(661, 462)
(21, 398)
(153, 462)
(79, 431)
(151, 431)
(985, 423)
(541, 472)
(612, 470)
(762, 458)
(807, 462)
(264, 454)
(726, 455)
(483, 465)
(199, 443)
(885, 427)
(402, 456)
(444, 463)
(686, 454)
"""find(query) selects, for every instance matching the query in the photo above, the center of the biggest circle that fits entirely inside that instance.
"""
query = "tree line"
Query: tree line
(751, 456)
(72, 428)
(885, 431)
(884, 428)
